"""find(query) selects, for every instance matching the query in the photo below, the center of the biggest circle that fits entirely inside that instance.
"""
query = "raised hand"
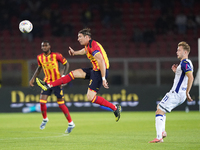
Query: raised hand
(71, 51)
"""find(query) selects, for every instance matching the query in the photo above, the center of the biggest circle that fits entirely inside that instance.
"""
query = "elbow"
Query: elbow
(191, 79)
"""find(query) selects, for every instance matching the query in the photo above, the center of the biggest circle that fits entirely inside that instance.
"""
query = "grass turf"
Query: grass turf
(99, 131)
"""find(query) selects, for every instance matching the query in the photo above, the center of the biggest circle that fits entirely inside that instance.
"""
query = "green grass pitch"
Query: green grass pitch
(99, 131)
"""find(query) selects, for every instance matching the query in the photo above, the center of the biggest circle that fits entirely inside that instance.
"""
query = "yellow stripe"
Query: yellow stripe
(71, 75)
(65, 62)
(51, 70)
(92, 90)
(60, 102)
(47, 72)
(57, 67)
(93, 99)
(104, 55)
(188, 71)
(97, 53)
(43, 101)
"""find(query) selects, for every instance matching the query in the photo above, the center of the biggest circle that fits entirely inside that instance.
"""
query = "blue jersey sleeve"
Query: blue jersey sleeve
(185, 66)
(95, 52)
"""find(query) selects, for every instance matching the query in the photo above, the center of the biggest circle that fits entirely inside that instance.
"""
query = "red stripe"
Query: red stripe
(48, 70)
(54, 71)
(45, 79)
(50, 77)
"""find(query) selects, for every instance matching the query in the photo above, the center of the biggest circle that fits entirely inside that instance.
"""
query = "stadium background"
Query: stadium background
(139, 36)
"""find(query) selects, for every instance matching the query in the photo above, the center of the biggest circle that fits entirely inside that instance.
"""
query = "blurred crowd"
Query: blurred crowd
(169, 22)
(44, 13)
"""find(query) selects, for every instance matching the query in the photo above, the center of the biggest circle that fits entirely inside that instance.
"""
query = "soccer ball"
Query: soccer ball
(25, 26)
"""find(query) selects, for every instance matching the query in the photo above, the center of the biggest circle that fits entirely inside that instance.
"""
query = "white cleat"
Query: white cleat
(43, 124)
(69, 129)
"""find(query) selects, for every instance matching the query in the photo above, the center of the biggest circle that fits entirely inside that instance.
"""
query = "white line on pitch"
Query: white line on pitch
(33, 137)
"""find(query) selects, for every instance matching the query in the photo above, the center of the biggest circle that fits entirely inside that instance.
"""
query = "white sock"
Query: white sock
(46, 119)
(164, 120)
(159, 125)
(71, 123)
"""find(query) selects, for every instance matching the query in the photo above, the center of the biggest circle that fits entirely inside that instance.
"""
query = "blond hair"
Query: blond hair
(185, 46)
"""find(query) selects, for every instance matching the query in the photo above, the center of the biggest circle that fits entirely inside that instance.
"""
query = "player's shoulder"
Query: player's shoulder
(186, 63)
(56, 53)
(39, 55)
(93, 42)
(96, 42)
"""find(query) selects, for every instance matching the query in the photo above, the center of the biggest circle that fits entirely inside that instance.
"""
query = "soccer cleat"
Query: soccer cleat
(42, 84)
(117, 112)
(69, 129)
(43, 124)
(164, 134)
(156, 141)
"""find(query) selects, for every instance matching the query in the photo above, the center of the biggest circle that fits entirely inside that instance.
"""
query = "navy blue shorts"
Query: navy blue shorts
(95, 78)
(58, 91)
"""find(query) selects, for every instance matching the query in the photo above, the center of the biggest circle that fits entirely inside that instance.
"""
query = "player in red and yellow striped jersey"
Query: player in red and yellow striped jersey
(97, 75)
(48, 61)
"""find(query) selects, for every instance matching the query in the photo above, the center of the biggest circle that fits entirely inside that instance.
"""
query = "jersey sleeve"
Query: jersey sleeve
(60, 58)
(38, 61)
(96, 49)
(186, 67)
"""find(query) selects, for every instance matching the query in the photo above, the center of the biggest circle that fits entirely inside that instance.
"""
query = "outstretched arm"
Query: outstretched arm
(37, 72)
(189, 85)
(79, 52)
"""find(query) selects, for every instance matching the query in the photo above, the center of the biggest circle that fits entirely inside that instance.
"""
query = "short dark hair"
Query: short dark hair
(46, 41)
(86, 31)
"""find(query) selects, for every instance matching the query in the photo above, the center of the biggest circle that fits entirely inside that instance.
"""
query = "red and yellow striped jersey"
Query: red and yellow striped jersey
(94, 48)
(50, 65)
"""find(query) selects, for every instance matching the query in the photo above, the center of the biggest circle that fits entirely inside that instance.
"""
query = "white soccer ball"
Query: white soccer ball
(25, 26)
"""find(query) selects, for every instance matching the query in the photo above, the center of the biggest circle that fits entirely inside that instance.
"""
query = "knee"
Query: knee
(158, 111)
(90, 97)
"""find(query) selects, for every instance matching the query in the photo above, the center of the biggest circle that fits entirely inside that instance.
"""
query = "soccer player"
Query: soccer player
(179, 92)
(48, 61)
(97, 75)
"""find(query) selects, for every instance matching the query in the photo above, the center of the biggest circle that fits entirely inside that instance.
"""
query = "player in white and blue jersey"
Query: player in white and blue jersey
(179, 92)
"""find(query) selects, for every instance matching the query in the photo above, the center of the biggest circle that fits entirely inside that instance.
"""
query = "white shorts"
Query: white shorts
(171, 100)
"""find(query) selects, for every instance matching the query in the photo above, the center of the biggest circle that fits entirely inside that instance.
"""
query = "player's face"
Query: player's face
(45, 47)
(181, 53)
(83, 40)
